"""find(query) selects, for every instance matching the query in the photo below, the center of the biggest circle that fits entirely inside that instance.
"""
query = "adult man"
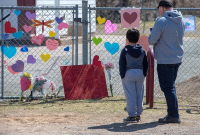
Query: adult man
(167, 38)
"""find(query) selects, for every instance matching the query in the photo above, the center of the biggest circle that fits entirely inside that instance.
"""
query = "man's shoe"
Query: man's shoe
(131, 119)
(169, 119)
(138, 118)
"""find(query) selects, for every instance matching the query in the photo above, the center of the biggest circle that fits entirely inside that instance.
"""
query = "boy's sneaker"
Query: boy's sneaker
(132, 119)
(169, 119)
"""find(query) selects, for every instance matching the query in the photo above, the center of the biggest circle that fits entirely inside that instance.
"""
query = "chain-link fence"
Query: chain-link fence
(31, 44)
(188, 75)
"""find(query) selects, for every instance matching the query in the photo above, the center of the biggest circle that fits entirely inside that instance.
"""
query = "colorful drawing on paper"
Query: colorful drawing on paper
(130, 18)
(101, 20)
(143, 40)
(38, 39)
(42, 23)
(45, 57)
(52, 44)
(190, 22)
(109, 27)
(27, 28)
(31, 59)
(8, 28)
(111, 48)
(96, 41)
(8, 51)
(30, 16)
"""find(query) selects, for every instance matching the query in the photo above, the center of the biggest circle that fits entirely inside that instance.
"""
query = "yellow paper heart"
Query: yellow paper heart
(101, 20)
(45, 57)
(27, 74)
(52, 34)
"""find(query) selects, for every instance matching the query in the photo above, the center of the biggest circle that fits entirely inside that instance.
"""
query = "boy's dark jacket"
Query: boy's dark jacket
(133, 57)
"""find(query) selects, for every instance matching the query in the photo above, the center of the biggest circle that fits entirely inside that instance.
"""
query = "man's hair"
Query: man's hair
(133, 35)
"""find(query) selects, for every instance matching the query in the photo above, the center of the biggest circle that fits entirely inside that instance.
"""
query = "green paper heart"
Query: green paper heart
(96, 41)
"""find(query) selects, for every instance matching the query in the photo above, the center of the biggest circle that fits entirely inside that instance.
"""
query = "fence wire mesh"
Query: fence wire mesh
(65, 38)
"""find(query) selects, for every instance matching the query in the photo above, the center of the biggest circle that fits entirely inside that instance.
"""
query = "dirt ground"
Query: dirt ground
(102, 116)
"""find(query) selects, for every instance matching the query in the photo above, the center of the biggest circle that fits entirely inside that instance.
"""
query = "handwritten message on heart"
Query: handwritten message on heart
(111, 48)
(101, 20)
(45, 57)
(38, 39)
(62, 25)
(27, 28)
(25, 83)
(109, 27)
(96, 41)
(52, 34)
(52, 44)
(143, 40)
(96, 61)
(8, 51)
(30, 16)
(130, 18)
(8, 28)
(18, 34)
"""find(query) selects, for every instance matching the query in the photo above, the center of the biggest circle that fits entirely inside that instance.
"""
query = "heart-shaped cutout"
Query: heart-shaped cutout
(45, 57)
(66, 49)
(52, 44)
(109, 27)
(18, 34)
(52, 34)
(5, 36)
(30, 16)
(96, 61)
(130, 18)
(62, 25)
(31, 59)
(38, 39)
(18, 66)
(8, 51)
(25, 83)
(11, 71)
(27, 28)
(24, 49)
(111, 48)
(59, 20)
(96, 41)
(17, 12)
(101, 20)
(8, 28)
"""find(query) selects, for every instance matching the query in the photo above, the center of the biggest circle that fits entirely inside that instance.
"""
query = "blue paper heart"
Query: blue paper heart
(18, 34)
(5, 36)
(66, 49)
(17, 12)
(59, 20)
(8, 52)
(111, 48)
(24, 49)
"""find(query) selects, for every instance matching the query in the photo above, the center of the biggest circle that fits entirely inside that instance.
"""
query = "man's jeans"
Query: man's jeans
(167, 74)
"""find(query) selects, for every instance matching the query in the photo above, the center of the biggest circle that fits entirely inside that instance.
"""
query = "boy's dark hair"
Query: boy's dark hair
(133, 35)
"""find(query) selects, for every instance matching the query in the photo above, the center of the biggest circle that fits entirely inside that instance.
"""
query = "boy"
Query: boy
(133, 67)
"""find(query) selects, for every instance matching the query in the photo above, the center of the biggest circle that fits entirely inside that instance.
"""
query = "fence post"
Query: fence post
(2, 59)
(85, 31)
(76, 43)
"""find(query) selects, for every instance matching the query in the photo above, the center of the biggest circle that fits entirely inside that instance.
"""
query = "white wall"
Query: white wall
(12, 18)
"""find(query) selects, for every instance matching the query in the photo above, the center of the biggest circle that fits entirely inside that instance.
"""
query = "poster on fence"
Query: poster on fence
(190, 22)
(130, 18)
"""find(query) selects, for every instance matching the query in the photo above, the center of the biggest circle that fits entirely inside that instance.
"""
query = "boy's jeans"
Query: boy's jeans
(167, 74)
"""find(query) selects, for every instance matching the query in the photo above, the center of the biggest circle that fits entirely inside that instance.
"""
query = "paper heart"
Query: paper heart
(130, 18)
(8, 28)
(11, 71)
(52, 34)
(52, 44)
(25, 83)
(143, 40)
(109, 27)
(111, 48)
(96, 61)
(18, 34)
(30, 16)
(24, 49)
(31, 59)
(27, 28)
(8, 51)
(17, 12)
(45, 57)
(66, 49)
(18, 66)
(38, 39)
(5, 62)
(5, 36)
(101, 20)
(96, 41)
(59, 20)
(62, 25)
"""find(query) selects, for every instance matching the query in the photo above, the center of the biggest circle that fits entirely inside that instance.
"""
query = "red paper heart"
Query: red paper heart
(8, 28)
(25, 83)
(130, 18)
(96, 61)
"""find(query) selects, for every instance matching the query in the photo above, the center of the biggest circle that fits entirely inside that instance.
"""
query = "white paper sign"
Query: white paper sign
(190, 22)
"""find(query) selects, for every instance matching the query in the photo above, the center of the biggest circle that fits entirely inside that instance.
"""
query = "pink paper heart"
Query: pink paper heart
(109, 27)
(5, 62)
(52, 44)
(38, 39)
(25, 83)
(62, 25)
(27, 28)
